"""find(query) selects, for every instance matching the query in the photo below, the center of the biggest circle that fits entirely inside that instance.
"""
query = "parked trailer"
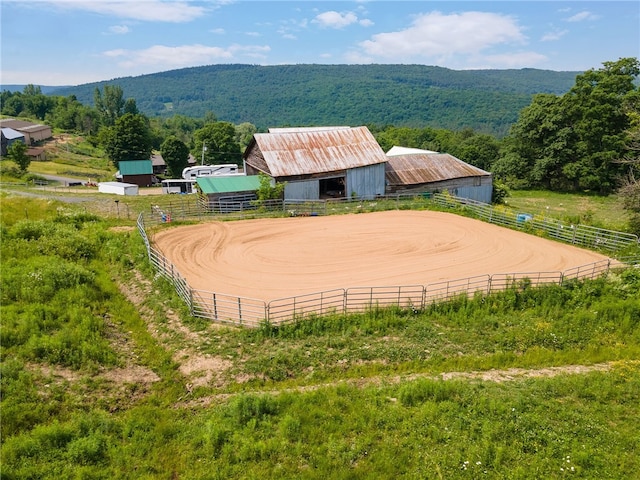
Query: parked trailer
(179, 185)
(191, 173)
(118, 188)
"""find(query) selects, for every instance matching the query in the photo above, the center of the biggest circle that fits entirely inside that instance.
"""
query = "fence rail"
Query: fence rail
(250, 312)
(582, 235)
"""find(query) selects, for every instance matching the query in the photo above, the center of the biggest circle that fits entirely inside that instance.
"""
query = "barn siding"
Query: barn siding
(366, 182)
(305, 190)
(460, 187)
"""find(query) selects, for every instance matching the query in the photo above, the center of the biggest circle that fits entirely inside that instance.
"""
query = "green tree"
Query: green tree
(17, 152)
(176, 156)
(481, 150)
(35, 103)
(130, 106)
(129, 139)
(110, 105)
(215, 143)
(573, 142)
(269, 190)
(244, 134)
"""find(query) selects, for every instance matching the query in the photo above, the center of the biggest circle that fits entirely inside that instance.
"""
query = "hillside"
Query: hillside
(401, 95)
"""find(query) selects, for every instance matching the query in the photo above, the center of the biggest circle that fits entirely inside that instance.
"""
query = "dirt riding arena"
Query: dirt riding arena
(269, 259)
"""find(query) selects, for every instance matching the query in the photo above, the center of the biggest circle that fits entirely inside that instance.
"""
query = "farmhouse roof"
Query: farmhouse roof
(428, 167)
(136, 167)
(237, 183)
(314, 150)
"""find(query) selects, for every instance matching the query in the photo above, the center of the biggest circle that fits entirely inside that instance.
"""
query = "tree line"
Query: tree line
(586, 139)
(403, 95)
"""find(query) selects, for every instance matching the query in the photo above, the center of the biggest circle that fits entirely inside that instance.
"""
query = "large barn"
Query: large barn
(411, 170)
(33, 132)
(319, 162)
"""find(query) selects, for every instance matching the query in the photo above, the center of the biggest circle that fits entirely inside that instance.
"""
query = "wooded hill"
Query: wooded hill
(402, 95)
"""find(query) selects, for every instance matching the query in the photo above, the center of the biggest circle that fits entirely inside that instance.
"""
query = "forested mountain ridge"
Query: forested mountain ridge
(401, 95)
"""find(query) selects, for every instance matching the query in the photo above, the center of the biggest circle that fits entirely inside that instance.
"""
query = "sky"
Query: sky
(72, 42)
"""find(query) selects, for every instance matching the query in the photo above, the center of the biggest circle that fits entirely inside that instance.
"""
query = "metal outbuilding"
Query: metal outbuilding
(412, 170)
(8, 137)
(33, 132)
(319, 162)
(229, 193)
(138, 172)
(118, 188)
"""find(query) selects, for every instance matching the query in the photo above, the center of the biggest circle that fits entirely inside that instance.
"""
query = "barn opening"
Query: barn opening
(332, 187)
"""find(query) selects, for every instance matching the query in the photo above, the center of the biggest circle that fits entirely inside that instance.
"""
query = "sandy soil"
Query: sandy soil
(277, 258)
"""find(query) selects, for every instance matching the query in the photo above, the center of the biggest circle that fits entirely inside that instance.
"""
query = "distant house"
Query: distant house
(160, 166)
(33, 132)
(319, 162)
(419, 171)
(137, 172)
(8, 137)
(229, 194)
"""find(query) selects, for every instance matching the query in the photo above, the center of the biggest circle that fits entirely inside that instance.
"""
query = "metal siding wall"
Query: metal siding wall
(366, 182)
(480, 194)
(308, 190)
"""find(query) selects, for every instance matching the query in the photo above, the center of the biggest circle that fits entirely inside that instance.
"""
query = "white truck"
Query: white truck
(191, 173)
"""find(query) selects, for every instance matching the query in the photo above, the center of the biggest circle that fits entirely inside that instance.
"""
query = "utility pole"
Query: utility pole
(204, 149)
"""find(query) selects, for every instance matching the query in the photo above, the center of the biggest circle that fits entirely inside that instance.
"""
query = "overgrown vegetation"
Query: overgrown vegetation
(358, 396)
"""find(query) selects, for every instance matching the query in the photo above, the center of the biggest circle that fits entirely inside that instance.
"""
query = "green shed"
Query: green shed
(229, 193)
(138, 172)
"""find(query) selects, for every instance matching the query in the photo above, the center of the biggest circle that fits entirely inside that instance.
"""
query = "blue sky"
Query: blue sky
(70, 42)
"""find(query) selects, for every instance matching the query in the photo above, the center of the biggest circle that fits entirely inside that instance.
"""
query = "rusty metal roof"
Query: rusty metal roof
(311, 151)
(417, 168)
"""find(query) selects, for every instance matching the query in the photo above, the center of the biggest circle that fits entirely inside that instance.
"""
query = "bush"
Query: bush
(39, 279)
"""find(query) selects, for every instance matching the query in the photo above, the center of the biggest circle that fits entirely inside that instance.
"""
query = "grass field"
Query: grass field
(605, 212)
(105, 375)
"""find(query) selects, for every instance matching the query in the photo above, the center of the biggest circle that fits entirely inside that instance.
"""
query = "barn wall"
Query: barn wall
(460, 187)
(145, 180)
(304, 190)
(366, 182)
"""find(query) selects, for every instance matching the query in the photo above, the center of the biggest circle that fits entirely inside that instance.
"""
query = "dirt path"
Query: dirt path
(277, 258)
(498, 376)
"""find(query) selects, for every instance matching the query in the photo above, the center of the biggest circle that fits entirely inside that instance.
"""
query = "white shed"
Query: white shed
(118, 188)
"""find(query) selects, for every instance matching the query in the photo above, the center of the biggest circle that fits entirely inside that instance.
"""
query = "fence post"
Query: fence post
(240, 309)
(215, 307)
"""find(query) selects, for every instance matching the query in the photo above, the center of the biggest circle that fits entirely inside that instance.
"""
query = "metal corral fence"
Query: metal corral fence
(582, 235)
(194, 207)
(250, 312)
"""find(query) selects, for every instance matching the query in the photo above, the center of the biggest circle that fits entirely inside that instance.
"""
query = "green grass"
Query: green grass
(605, 212)
(344, 396)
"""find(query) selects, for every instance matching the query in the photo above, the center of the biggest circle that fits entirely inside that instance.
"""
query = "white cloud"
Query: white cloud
(181, 56)
(218, 31)
(119, 29)
(333, 19)
(365, 22)
(582, 16)
(554, 35)
(145, 10)
(436, 37)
